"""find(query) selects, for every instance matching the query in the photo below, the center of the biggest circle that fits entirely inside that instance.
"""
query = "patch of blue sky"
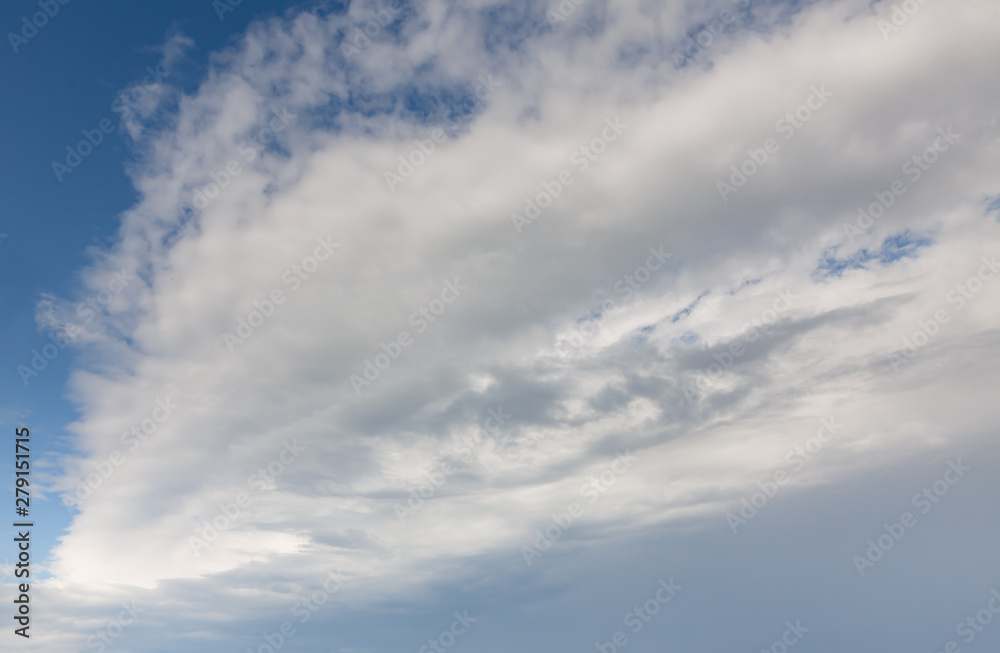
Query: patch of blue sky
(904, 244)
(684, 312)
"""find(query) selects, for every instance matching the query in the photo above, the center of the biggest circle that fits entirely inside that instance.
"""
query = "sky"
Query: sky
(388, 326)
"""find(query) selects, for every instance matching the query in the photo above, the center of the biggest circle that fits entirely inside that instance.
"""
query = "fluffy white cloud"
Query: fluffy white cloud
(639, 377)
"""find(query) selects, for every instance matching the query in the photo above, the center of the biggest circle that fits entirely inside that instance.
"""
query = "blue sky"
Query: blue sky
(61, 82)
(509, 317)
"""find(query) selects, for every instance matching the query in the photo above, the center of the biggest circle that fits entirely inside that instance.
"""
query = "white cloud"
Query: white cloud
(501, 343)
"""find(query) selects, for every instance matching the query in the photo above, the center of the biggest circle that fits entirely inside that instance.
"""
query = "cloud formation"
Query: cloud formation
(602, 294)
